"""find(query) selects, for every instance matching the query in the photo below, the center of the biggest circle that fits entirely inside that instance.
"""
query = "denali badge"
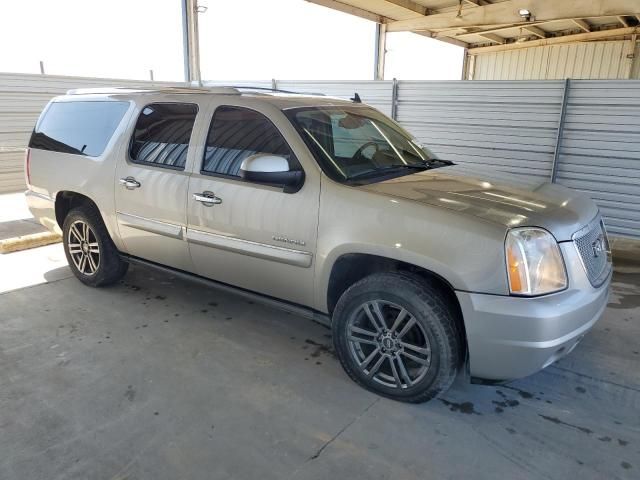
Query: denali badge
(598, 246)
(289, 240)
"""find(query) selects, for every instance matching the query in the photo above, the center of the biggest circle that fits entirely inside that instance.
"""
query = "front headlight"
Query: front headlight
(534, 262)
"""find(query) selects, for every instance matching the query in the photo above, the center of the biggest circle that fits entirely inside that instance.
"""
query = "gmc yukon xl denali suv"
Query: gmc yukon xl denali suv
(422, 268)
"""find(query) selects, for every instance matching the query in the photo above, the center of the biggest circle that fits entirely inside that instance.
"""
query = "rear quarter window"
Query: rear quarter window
(81, 128)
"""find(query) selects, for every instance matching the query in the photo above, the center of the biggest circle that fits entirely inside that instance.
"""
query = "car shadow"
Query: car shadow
(59, 273)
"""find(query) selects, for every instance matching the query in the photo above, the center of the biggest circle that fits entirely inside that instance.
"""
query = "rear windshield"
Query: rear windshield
(81, 128)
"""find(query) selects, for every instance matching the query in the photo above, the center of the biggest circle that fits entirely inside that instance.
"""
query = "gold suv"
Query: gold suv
(326, 207)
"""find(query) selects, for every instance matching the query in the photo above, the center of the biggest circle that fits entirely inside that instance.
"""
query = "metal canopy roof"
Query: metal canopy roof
(488, 25)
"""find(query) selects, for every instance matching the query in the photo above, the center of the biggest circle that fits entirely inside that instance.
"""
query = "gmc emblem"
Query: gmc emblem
(598, 246)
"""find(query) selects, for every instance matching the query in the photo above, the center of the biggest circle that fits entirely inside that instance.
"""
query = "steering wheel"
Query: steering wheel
(358, 153)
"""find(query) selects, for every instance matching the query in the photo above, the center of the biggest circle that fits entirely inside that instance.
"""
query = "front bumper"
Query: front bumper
(512, 337)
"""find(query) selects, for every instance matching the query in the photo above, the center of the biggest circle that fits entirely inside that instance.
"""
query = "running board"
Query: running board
(293, 308)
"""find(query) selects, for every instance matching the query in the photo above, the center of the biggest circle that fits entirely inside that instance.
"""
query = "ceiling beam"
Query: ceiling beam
(578, 37)
(478, 3)
(507, 12)
(452, 41)
(410, 5)
(358, 12)
(582, 24)
(464, 32)
(623, 21)
(538, 32)
(492, 37)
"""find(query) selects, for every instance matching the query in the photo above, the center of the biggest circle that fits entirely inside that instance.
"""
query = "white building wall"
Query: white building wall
(610, 60)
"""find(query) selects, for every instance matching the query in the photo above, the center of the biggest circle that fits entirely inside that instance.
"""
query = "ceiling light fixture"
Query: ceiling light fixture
(526, 14)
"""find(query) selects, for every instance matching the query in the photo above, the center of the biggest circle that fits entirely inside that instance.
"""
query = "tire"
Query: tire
(84, 235)
(428, 325)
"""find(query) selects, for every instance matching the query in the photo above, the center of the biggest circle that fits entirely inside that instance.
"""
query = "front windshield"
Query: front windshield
(354, 143)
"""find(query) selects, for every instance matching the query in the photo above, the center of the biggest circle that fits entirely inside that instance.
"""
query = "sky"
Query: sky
(248, 40)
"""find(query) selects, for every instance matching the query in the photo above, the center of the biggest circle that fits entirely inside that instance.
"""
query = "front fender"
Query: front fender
(465, 251)
(431, 264)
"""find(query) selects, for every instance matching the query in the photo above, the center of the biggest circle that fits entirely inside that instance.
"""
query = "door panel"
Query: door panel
(152, 184)
(256, 236)
(235, 241)
(152, 218)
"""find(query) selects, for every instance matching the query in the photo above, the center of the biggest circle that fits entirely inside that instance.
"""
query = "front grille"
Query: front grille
(593, 245)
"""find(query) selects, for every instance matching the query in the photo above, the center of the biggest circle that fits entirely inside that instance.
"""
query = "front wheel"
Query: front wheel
(396, 335)
(92, 255)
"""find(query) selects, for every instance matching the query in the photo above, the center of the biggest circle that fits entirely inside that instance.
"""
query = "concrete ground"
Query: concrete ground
(15, 218)
(159, 378)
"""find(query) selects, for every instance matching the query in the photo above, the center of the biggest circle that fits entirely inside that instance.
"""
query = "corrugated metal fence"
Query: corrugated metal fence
(513, 126)
(599, 151)
(520, 127)
(509, 125)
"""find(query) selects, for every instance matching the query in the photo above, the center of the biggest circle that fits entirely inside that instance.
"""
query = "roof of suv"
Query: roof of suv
(279, 98)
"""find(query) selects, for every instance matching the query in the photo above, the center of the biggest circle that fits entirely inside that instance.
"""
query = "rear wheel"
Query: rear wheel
(92, 255)
(396, 335)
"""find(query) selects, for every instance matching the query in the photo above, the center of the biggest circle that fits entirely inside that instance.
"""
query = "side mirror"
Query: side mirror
(271, 170)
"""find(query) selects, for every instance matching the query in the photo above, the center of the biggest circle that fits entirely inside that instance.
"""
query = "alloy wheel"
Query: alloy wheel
(83, 247)
(388, 344)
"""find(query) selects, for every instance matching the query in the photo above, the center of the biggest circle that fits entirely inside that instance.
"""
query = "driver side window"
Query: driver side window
(237, 133)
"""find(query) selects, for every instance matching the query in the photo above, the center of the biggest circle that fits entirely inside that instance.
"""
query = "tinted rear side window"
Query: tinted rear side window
(237, 133)
(82, 128)
(162, 134)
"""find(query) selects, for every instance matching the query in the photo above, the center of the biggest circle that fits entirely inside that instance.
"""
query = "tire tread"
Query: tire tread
(433, 304)
(112, 268)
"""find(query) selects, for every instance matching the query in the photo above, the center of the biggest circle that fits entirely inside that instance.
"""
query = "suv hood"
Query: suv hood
(507, 200)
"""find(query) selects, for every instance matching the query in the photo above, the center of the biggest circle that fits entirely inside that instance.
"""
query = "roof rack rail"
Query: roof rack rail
(276, 90)
(219, 89)
(114, 90)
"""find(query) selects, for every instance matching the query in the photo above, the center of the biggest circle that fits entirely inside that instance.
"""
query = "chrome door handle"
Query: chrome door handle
(130, 183)
(207, 198)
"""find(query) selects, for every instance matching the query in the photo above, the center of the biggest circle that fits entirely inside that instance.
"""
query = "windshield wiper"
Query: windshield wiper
(386, 169)
(429, 162)
(416, 166)
(423, 165)
(439, 160)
